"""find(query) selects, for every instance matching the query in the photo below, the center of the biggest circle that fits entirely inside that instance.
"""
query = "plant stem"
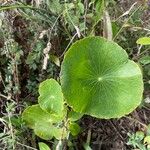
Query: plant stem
(59, 145)
(6, 97)
(88, 137)
(26, 146)
(2, 8)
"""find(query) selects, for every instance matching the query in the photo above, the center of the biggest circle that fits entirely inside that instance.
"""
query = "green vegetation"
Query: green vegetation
(74, 74)
(99, 80)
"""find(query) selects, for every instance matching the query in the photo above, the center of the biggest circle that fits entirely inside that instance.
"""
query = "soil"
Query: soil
(112, 134)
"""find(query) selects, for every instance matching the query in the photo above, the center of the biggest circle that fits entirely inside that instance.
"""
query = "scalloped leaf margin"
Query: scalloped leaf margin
(98, 79)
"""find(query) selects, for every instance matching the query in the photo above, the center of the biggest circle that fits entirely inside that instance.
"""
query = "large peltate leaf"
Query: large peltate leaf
(51, 97)
(98, 79)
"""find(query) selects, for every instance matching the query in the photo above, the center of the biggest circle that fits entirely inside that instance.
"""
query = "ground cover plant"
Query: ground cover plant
(91, 83)
(74, 74)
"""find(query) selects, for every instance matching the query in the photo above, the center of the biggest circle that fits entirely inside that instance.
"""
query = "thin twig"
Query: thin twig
(75, 26)
(54, 25)
(135, 120)
(1, 79)
(6, 97)
(116, 130)
(127, 12)
(26, 146)
(11, 129)
(2, 8)
(85, 14)
(68, 45)
(107, 26)
(89, 137)
(126, 22)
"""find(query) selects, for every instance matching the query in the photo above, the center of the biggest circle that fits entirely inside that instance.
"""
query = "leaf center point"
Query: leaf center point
(52, 97)
(100, 79)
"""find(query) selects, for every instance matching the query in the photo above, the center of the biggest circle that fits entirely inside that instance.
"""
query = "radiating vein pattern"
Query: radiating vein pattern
(98, 79)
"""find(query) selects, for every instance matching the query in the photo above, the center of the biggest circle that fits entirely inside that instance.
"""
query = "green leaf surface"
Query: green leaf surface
(147, 139)
(43, 146)
(74, 116)
(51, 97)
(99, 9)
(54, 6)
(145, 60)
(81, 7)
(34, 115)
(139, 136)
(100, 5)
(148, 130)
(98, 79)
(45, 125)
(47, 131)
(55, 60)
(74, 128)
(87, 147)
(143, 41)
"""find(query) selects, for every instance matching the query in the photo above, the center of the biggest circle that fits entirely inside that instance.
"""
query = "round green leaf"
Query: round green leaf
(145, 60)
(51, 97)
(139, 136)
(147, 139)
(74, 116)
(45, 125)
(98, 79)
(34, 115)
(74, 128)
(43, 146)
(48, 131)
(143, 41)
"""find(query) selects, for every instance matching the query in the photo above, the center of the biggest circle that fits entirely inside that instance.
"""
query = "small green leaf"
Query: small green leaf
(69, 6)
(45, 125)
(47, 131)
(100, 6)
(81, 7)
(143, 41)
(115, 28)
(147, 140)
(148, 130)
(30, 58)
(148, 147)
(55, 60)
(16, 121)
(43, 146)
(74, 116)
(139, 136)
(74, 128)
(34, 115)
(145, 60)
(54, 6)
(51, 97)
